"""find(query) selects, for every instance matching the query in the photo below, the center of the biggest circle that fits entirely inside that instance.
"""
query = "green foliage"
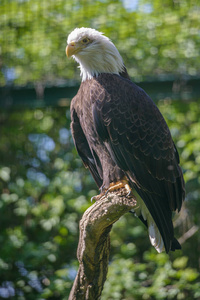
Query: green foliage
(155, 278)
(43, 197)
(153, 38)
(44, 192)
(183, 121)
(44, 188)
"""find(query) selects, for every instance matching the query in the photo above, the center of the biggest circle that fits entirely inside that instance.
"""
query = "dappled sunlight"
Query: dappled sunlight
(44, 187)
(153, 39)
(44, 197)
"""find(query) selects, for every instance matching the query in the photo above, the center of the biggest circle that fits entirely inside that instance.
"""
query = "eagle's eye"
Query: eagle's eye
(85, 40)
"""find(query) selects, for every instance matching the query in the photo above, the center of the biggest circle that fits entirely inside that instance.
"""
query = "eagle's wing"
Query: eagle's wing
(83, 148)
(140, 143)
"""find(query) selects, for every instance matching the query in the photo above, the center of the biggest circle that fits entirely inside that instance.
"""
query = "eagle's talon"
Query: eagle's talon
(129, 193)
(113, 187)
(97, 197)
(106, 192)
(93, 199)
(118, 185)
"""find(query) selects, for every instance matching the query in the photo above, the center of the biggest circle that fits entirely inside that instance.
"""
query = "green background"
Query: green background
(43, 185)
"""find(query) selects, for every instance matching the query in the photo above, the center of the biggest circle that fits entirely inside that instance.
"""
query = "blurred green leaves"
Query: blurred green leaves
(44, 192)
(44, 188)
(43, 195)
(156, 278)
(154, 39)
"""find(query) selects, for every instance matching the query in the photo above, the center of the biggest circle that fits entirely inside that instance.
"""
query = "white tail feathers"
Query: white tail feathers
(154, 234)
(155, 237)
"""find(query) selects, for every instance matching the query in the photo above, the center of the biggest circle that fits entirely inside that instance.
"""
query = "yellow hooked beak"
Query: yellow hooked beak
(72, 49)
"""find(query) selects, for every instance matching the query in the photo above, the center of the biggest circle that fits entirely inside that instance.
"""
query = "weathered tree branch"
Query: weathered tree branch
(188, 234)
(94, 243)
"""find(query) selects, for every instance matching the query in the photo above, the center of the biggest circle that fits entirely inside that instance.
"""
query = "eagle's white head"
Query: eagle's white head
(94, 52)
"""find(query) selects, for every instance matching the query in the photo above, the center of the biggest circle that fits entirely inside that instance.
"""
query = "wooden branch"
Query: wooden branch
(188, 234)
(94, 243)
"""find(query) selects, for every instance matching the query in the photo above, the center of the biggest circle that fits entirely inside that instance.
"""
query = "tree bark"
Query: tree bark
(94, 243)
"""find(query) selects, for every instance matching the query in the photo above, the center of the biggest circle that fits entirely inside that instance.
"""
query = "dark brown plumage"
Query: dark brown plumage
(118, 131)
(122, 137)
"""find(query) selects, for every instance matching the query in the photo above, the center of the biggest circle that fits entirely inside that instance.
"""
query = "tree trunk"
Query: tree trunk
(94, 243)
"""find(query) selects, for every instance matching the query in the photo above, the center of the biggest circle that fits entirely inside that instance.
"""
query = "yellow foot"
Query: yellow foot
(118, 185)
(113, 187)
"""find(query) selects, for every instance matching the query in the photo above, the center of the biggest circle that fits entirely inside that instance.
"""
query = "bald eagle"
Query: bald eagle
(122, 138)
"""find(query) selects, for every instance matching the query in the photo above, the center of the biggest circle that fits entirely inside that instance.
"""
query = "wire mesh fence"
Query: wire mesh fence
(154, 38)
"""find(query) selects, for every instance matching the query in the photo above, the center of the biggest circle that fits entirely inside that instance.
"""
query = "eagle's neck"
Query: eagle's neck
(97, 60)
